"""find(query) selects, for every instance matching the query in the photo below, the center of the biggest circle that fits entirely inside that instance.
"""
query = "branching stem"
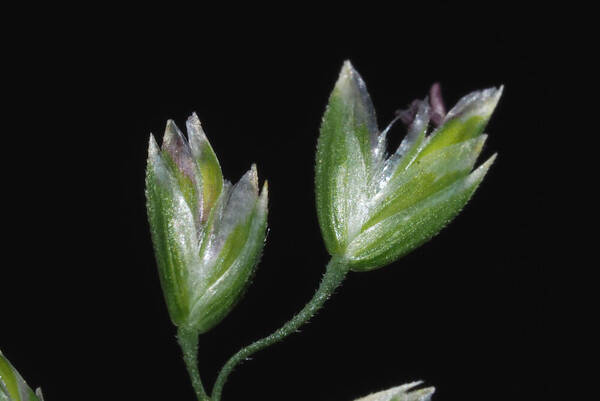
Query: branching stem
(334, 274)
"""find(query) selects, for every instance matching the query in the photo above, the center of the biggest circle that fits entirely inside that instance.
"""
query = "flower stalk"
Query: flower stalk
(334, 275)
(188, 341)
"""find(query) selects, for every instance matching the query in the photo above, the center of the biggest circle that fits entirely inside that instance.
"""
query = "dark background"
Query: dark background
(82, 310)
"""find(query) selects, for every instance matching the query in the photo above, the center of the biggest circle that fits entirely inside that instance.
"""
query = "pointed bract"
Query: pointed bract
(176, 147)
(397, 235)
(241, 201)
(479, 103)
(402, 393)
(358, 108)
(212, 178)
(174, 234)
(226, 289)
(12, 385)
(466, 120)
(417, 128)
(411, 144)
(431, 174)
(178, 156)
(344, 153)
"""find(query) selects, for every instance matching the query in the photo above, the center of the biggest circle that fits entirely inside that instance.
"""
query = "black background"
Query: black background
(83, 314)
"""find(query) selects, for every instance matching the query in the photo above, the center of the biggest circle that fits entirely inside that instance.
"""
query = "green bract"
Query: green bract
(12, 385)
(402, 393)
(374, 208)
(208, 234)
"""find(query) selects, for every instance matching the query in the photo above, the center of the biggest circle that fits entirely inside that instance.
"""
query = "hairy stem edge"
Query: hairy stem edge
(188, 341)
(334, 274)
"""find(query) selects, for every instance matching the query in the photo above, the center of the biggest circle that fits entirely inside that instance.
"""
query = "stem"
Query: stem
(334, 274)
(188, 340)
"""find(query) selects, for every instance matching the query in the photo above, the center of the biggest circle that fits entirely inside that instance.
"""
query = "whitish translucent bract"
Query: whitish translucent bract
(12, 385)
(406, 392)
